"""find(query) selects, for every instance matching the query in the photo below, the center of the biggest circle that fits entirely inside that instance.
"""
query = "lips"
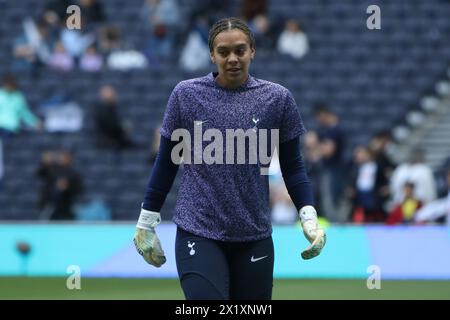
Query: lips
(234, 69)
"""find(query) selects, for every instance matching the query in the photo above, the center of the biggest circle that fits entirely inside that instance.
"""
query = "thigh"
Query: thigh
(202, 267)
(251, 270)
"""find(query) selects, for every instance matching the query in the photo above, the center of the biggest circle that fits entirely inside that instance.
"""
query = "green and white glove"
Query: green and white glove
(312, 231)
(146, 240)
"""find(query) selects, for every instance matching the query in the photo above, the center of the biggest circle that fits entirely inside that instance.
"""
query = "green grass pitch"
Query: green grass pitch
(160, 289)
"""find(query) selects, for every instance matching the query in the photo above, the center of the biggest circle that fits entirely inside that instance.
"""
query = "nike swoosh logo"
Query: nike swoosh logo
(200, 122)
(253, 259)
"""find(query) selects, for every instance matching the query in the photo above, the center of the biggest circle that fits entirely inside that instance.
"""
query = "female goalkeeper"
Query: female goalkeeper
(223, 247)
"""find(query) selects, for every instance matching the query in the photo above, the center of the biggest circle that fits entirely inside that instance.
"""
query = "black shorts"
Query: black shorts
(210, 269)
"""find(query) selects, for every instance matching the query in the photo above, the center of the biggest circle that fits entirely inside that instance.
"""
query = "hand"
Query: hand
(149, 247)
(146, 240)
(312, 231)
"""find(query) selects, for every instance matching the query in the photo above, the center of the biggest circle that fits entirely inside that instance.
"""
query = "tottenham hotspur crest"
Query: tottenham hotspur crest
(191, 246)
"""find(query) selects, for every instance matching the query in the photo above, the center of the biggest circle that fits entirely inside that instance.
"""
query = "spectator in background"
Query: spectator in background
(60, 113)
(55, 15)
(417, 172)
(406, 210)
(61, 186)
(331, 144)
(441, 178)
(264, 30)
(76, 42)
(252, 8)
(380, 146)
(110, 39)
(162, 18)
(110, 131)
(293, 41)
(195, 54)
(46, 172)
(92, 13)
(60, 59)
(55, 11)
(91, 61)
(33, 47)
(366, 183)
(116, 55)
(14, 109)
(437, 210)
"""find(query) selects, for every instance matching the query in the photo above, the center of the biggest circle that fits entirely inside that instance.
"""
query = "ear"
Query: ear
(211, 55)
(252, 56)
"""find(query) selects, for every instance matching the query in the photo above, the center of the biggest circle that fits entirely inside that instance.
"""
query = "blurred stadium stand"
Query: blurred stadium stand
(371, 79)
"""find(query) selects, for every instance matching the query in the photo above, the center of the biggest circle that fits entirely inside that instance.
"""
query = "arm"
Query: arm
(161, 179)
(294, 174)
(26, 115)
(299, 188)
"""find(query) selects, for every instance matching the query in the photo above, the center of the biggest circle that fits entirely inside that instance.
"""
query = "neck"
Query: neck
(230, 85)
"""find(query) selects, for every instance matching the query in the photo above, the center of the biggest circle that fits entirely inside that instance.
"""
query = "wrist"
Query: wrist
(307, 213)
(148, 220)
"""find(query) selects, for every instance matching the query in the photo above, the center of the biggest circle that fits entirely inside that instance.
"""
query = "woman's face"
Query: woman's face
(232, 55)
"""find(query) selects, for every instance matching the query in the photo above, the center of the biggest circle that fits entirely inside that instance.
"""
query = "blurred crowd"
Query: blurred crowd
(367, 188)
(99, 44)
(61, 182)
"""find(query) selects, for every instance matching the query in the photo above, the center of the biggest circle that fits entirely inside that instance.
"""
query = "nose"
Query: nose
(232, 58)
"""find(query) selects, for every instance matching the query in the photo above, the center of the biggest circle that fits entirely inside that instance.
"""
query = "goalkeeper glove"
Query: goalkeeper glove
(146, 240)
(312, 231)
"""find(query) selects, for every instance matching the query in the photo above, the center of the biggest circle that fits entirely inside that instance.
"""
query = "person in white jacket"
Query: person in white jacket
(293, 41)
(415, 171)
(436, 209)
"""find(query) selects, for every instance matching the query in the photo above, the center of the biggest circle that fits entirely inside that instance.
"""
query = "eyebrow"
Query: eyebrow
(240, 45)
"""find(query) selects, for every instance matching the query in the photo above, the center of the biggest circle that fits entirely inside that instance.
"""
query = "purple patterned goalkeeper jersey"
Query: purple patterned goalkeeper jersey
(228, 202)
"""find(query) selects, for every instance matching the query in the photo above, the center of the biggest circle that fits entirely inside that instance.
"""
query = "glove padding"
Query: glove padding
(315, 235)
(146, 240)
(149, 247)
